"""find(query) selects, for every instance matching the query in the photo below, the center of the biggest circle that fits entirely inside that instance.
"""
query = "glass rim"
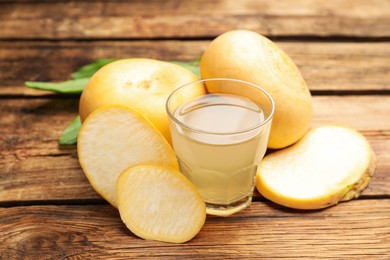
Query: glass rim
(193, 129)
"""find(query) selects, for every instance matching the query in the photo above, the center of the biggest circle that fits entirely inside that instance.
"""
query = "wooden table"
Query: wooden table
(48, 210)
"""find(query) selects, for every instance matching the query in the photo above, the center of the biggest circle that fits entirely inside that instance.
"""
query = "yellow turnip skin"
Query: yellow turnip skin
(251, 57)
(140, 84)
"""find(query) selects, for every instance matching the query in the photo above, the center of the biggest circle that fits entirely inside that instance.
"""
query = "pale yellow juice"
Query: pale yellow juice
(220, 150)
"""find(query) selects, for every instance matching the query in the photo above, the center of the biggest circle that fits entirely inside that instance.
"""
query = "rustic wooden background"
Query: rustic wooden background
(48, 209)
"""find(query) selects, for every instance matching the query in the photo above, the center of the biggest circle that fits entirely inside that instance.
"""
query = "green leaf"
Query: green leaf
(69, 136)
(88, 70)
(74, 86)
(197, 60)
(192, 66)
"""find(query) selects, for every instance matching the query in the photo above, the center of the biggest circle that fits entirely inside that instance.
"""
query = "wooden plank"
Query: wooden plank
(151, 19)
(365, 113)
(34, 167)
(32, 164)
(326, 66)
(355, 229)
(55, 61)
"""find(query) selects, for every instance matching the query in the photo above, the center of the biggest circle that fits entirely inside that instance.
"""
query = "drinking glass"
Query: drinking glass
(219, 135)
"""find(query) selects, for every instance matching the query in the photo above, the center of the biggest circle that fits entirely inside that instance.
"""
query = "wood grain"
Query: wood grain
(32, 164)
(183, 19)
(326, 66)
(354, 229)
(34, 167)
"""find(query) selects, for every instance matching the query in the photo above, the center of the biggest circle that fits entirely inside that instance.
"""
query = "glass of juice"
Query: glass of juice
(219, 135)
